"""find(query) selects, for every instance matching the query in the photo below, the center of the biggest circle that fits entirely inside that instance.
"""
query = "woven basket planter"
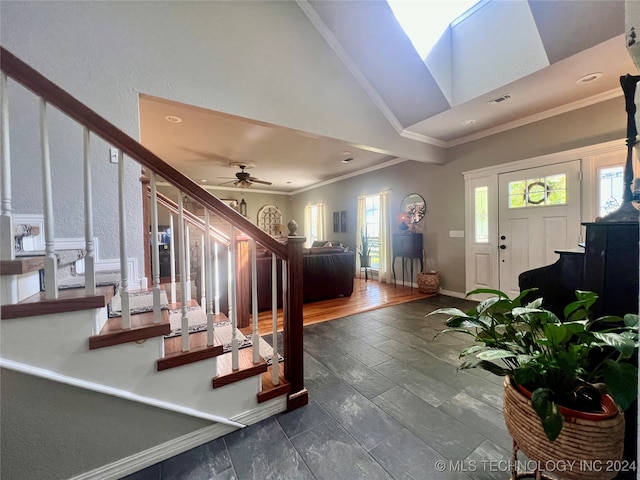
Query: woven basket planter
(429, 282)
(595, 445)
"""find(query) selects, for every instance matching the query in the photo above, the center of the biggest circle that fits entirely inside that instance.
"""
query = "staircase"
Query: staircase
(55, 304)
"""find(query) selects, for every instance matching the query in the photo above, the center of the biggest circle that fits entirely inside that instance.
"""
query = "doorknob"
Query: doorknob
(502, 247)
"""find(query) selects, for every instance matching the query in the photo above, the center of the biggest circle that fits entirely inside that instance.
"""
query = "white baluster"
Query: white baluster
(89, 259)
(7, 247)
(216, 271)
(184, 246)
(50, 262)
(232, 300)
(208, 279)
(187, 252)
(255, 339)
(155, 254)
(203, 280)
(275, 364)
(172, 259)
(124, 269)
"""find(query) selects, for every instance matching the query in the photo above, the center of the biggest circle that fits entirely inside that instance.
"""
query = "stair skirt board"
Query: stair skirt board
(147, 458)
(129, 367)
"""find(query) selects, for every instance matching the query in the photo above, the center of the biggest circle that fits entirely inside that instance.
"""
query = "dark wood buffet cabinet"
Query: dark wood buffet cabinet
(408, 247)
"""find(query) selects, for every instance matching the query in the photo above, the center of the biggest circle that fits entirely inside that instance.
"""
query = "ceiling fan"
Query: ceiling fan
(245, 180)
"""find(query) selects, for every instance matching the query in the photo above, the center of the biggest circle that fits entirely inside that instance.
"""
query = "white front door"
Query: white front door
(539, 213)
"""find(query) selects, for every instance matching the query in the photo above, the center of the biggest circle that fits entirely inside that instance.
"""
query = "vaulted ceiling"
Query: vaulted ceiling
(501, 65)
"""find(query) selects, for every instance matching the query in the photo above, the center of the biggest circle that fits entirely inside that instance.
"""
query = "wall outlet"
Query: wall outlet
(456, 233)
(113, 155)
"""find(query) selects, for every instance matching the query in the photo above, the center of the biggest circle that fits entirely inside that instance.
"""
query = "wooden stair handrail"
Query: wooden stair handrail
(194, 220)
(66, 103)
(41, 86)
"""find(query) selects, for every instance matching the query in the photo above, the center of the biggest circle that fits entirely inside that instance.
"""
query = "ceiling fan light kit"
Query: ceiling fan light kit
(244, 179)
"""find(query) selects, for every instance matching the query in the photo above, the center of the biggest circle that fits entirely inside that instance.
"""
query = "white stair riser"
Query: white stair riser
(59, 343)
(15, 288)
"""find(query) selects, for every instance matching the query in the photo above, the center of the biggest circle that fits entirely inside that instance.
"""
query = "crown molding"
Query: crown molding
(424, 138)
(389, 163)
(585, 102)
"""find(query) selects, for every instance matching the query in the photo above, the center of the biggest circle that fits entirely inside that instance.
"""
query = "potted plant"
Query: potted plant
(364, 249)
(553, 367)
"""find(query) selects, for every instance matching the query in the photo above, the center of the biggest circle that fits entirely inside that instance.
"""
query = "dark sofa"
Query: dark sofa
(328, 272)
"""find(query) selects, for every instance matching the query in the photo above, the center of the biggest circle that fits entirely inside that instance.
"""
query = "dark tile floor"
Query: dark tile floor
(386, 402)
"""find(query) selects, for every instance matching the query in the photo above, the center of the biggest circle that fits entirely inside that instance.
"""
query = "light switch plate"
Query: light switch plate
(456, 233)
(113, 155)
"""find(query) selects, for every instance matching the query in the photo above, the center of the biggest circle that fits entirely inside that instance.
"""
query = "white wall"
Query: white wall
(261, 60)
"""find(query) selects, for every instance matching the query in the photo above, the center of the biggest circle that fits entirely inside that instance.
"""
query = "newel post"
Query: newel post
(293, 329)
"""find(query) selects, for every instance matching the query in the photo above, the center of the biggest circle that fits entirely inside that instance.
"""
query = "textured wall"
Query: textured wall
(44, 438)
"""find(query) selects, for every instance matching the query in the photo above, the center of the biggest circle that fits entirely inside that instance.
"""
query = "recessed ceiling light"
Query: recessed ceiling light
(590, 77)
(469, 121)
(347, 160)
(203, 180)
(346, 152)
(172, 119)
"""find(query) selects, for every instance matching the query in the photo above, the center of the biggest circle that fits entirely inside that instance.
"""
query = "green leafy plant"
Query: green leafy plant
(567, 363)
(364, 248)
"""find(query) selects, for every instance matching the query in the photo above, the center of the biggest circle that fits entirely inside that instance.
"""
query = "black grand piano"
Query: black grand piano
(608, 261)
(606, 264)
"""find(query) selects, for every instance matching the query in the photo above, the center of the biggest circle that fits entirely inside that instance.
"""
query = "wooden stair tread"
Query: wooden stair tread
(247, 369)
(269, 390)
(142, 327)
(32, 261)
(21, 265)
(190, 303)
(196, 340)
(70, 300)
(195, 354)
(198, 348)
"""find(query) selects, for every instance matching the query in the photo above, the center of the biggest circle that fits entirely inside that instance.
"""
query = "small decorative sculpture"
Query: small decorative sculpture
(293, 228)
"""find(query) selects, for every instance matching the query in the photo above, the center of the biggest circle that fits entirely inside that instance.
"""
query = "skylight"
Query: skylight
(424, 21)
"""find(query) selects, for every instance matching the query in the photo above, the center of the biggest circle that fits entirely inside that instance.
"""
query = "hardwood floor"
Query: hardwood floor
(369, 295)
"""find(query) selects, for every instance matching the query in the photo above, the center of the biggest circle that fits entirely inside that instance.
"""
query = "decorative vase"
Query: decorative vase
(589, 448)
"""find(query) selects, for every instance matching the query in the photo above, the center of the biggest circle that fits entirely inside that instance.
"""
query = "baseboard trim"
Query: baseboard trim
(451, 293)
(266, 410)
(151, 456)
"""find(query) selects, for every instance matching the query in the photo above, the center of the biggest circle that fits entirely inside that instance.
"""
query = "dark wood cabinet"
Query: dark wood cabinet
(408, 247)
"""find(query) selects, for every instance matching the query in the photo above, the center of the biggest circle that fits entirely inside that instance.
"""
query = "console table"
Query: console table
(407, 247)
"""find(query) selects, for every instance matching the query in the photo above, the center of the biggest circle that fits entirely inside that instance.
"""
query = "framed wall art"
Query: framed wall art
(233, 203)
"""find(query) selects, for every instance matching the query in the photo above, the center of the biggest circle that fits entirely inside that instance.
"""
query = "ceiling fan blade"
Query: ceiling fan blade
(225, 183)
(255, 180)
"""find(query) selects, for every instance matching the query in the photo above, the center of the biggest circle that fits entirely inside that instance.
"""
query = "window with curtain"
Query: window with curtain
(372, 227)
(314, 223)
(373, 219)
